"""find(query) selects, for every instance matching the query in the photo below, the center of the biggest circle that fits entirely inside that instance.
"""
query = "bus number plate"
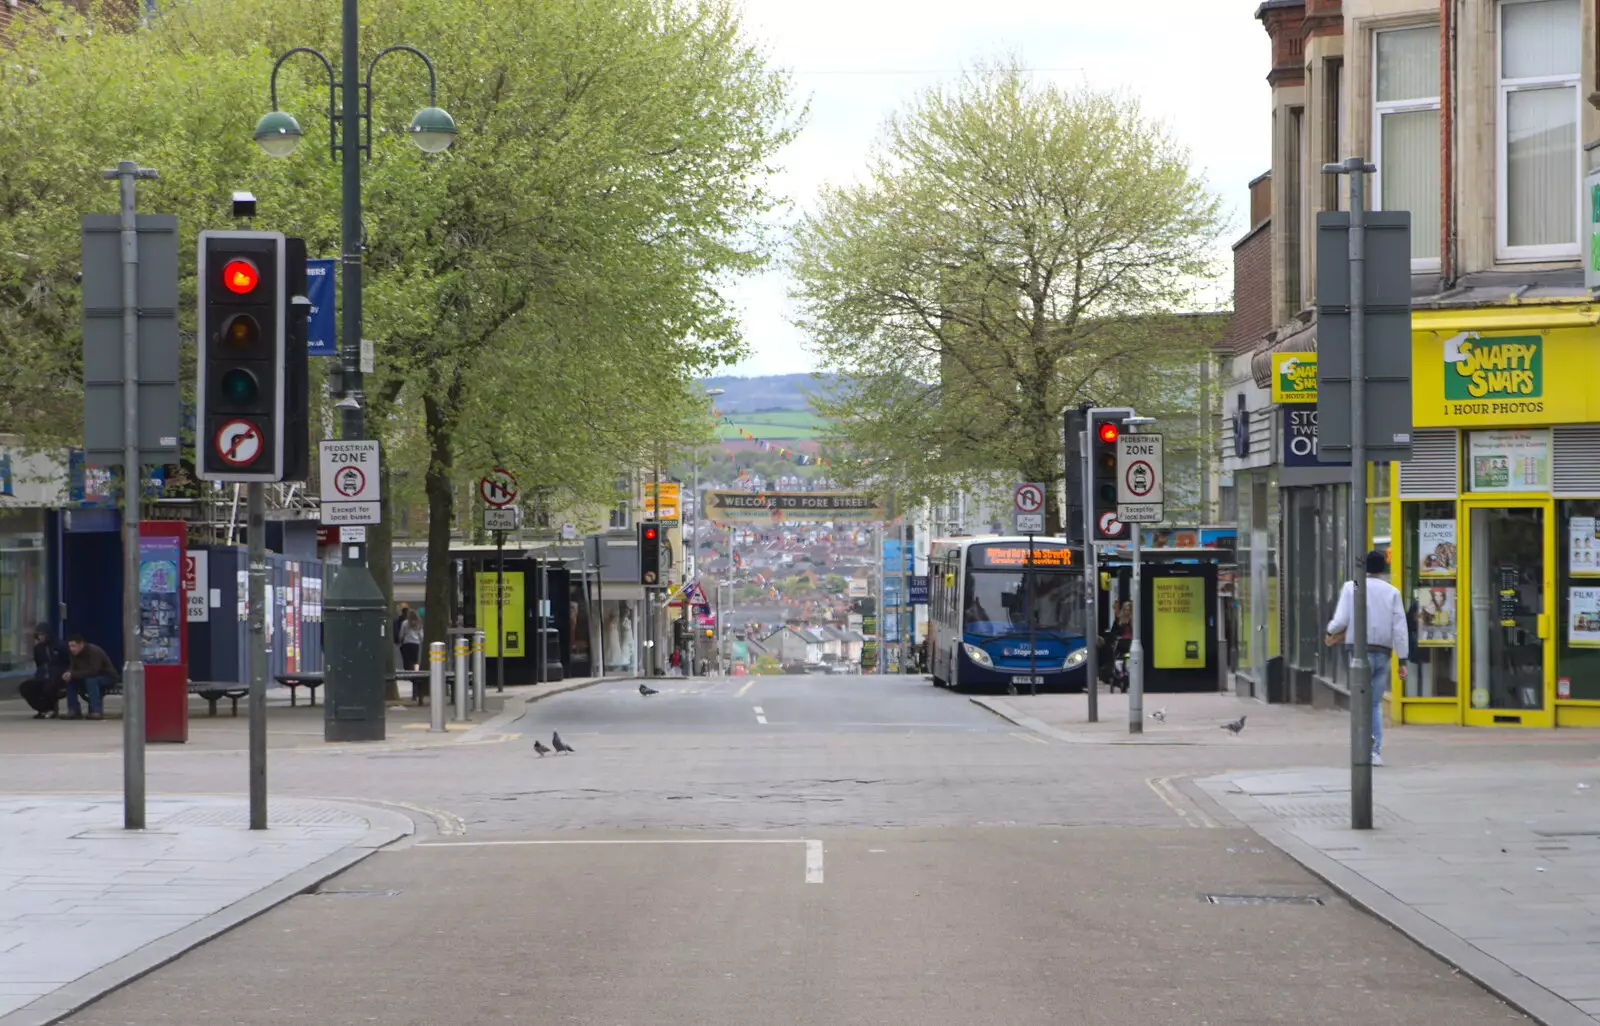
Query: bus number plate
(1025, 679)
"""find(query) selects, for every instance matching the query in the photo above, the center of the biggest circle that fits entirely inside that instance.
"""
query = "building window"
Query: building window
(1333, 108)
(1538, 158)
(1294, 161)
(1405, 133)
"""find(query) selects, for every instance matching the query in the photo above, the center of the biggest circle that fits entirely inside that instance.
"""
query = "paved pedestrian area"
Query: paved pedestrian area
(1494, 867)
(86, 905)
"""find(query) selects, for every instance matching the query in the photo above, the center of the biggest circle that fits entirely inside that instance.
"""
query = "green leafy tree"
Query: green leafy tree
(1015, 248)
(542, 294)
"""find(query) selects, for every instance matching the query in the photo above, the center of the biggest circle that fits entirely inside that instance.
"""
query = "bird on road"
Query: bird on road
(1234, 727)
(1160, 715)
(558, 744)
(647, 690)
(539, 747)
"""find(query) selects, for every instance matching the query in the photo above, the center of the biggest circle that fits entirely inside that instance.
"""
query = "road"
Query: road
(818, 850)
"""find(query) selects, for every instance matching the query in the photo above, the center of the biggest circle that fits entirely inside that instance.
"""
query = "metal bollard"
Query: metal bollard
(436, 697)
(479, 641)
(461, 678)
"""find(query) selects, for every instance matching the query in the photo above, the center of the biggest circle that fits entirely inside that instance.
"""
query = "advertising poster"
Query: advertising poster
(1436, 617)
(1510, 460)
(1179, 631)
(160, 619)
(1436, 547)
(512, 614)
(1583, 617)
(1583, 548)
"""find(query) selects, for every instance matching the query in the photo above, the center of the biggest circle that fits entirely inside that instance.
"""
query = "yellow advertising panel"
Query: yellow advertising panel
(1179, 631)
(1294, 377)
(1502, 378)
(669, 500)
(512, 614)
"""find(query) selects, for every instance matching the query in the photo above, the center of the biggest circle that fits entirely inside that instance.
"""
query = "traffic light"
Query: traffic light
(1074, 424)
(649, 554)
(240, 387)
(1105, 427)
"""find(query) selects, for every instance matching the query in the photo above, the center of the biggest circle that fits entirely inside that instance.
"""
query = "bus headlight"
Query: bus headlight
(978, 655)
(1076, 658)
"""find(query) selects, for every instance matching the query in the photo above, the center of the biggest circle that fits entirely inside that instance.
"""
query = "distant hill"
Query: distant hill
(767, 392)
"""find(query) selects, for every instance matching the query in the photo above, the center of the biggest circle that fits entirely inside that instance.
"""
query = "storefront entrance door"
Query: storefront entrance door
(1509, 626)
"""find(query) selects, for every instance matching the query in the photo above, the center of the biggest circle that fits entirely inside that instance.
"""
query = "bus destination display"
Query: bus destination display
(1007, 556)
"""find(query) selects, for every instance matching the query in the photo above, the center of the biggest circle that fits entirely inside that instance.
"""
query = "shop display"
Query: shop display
(1510, 460)
(1436, 617)
(1583, 548)
(1583, 617)
(1436, 548)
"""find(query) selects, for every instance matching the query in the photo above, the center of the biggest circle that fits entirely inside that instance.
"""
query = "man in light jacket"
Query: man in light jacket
(1386, 633)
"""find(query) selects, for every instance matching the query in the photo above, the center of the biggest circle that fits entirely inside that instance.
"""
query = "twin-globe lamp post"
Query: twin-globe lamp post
(356, 621)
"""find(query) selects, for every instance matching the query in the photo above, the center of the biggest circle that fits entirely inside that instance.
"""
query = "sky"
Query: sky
(1199, 65)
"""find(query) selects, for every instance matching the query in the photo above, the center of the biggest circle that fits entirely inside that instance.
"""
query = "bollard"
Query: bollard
(478, 679)
(461, 678)
(436, 698)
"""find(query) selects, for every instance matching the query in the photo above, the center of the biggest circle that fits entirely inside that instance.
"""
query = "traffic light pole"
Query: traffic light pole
(256, 519)
(1091, 552)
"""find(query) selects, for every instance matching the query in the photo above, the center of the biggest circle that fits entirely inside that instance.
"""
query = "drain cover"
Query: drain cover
(1263, 899)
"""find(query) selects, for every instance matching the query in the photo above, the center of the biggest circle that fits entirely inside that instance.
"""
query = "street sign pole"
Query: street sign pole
(500, 611)
(133, 789)
(1033, 639)
(256, 519)
(1140, 495)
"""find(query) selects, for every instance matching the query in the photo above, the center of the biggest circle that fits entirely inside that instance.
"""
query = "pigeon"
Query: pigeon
(647, 690)
(1234, 727)
(1160, 715)
(539, 747)
(558, 744)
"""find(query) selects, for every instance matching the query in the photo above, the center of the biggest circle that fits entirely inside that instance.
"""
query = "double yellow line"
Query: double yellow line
(1187, 810)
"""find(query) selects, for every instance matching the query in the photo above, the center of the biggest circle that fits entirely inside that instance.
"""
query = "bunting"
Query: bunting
(800, 458)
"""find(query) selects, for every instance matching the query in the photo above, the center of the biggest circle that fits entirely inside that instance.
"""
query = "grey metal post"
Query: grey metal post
(256, 513)
(1091, 665)
(500, 611)
(1360, 672)
(436, 699)
(477, 671)
(1136, 642)
(461, 678)
(1033, 620)
(133, 790)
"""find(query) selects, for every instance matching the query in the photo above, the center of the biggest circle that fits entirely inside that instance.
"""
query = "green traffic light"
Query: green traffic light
(240, 386)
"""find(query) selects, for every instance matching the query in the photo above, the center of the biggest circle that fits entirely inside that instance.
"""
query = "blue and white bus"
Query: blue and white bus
(979, 614)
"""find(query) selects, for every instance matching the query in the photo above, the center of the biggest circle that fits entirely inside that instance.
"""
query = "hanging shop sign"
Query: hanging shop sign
(1294, 377)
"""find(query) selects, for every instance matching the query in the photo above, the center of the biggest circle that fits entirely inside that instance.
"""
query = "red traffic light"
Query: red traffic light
(649, 534)
(240, 276)
(1108, 432)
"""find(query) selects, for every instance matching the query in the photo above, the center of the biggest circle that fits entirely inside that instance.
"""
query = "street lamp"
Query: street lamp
(356, 614)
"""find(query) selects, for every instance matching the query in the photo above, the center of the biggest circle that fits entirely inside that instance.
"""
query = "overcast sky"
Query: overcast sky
(1200, 65)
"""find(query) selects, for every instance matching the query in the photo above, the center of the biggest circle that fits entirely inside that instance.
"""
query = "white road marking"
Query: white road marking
(761, 717)
(747, 685)
(813, 847)
(813, 862)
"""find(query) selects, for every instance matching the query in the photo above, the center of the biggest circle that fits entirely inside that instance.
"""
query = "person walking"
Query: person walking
(89, 672)
(1387, 634)
(411, 640)
(50, 661)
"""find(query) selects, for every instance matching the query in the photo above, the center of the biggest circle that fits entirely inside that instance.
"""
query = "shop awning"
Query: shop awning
(1505, 318)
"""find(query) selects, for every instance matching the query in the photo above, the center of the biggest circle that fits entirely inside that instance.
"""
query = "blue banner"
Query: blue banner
(319, 289)
(917, 589)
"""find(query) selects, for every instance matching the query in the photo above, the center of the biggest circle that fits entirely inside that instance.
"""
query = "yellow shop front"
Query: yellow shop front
(1496, 518)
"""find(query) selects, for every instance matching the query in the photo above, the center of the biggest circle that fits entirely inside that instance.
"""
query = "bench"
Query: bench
(419, 681)
(311, 681)
(210, 690)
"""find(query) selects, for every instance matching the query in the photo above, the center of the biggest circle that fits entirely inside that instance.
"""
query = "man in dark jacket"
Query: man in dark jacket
(50, 660)
(88, 674)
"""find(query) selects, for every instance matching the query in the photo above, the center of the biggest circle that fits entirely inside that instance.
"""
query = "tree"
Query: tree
(542, 295)
(1015, 249)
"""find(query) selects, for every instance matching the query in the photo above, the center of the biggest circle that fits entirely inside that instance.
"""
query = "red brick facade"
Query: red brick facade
(1252, 289)
(1282, 19)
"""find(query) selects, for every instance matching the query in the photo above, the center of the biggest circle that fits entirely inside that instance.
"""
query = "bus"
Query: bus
(979, 617)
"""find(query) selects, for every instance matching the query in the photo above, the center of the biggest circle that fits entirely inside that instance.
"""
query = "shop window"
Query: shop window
(1578, 587)
(1427, 583)
(1508, 460)
(24, 584)
(1405, 133)
(1538, 156)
